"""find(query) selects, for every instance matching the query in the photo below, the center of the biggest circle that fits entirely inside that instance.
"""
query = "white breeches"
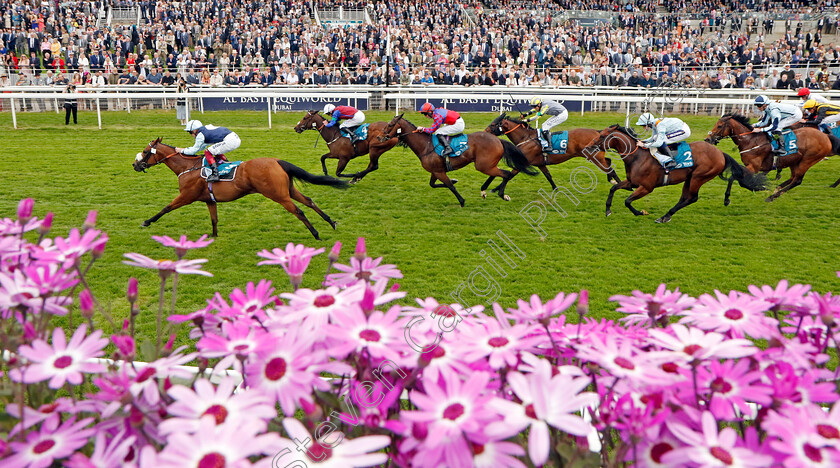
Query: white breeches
(357, 119)
(454, 129)
(230, 143)
(555, 120)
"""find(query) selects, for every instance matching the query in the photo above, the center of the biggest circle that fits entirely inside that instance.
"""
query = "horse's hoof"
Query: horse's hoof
(663, 219)
(726, 202)
(454, 181)
(613, 181)
(769, 199)
(146, 224)
(506, 197)
(484, 194)
(645, 213)
(608, 212)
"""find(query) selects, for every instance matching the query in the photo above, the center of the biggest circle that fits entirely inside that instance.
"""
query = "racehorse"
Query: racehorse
(525, 138)
(756, 153)
(340, 147)
(272, 178)
(484, 149)
(645, 173)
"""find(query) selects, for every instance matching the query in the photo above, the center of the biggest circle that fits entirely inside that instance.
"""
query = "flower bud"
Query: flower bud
(86, 304)
(335, 252)
(98, 250)
(361, 252)
(169, 344)
(24, 210)
(311, 410)
(90, 221)
(420, 431)
(583, 302)
(131, 292)
(46, 224)
(296, 280)
(367, 303)
(395, 287)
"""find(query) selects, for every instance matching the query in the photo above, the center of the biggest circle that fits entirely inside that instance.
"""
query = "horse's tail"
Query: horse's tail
(299, 174)
(745, 178)
(516, 158)
(835, 143)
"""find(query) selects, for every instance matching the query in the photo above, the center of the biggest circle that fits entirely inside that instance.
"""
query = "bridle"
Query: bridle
(144, 163)
(321, 128)
(714, 139)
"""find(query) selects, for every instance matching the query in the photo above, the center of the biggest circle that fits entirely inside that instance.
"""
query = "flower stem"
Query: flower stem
(160, 314)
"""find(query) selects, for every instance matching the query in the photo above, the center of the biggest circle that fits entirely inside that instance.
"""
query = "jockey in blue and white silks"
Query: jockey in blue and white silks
(666, 131)
(777, 117)
(221, 140)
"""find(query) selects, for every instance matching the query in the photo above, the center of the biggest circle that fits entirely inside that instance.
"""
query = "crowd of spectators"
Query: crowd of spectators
(441, 42)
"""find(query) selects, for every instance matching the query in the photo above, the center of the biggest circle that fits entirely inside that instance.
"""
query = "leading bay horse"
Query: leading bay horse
(272, 178)
(340, 147)
(644, 173)
(525, 138)
(484, 149)
(756, 153)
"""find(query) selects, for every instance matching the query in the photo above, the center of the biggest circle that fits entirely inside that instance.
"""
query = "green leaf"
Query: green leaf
(147, 351)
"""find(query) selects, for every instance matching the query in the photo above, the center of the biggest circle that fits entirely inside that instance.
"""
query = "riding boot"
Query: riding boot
(780, 149)
(546, 144)
(214, 172)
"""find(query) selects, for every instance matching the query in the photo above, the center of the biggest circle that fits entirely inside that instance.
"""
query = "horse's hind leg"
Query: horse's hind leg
(214, 217)
(726, 200)
(639, 193)
(487, 184)
(372, 166)
(547, 174)
(277, 194)
(689, 196)
(342, 163)
(835, 184)
(297, 195)
(179, 201)
(506, 175)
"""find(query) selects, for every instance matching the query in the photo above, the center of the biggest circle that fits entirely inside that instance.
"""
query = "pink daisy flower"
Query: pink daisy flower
(12, 227)
(496, 340)
(316, 308)
(106, 453)
(452, 411)
(289, 374)
(68, 250)
(732, 385)
(145, 379)
(189, 406)
(182, 245)
(535, 310)
(18, 290)
(546, 401)
(497, 455)
(794, 435)
(647, 309)
(737, 314)
(710, 448)
(367, 269)
(782, 296)
(621, 358)
(237, 340)
(338, 452)
(30, 417)
(683, 345)
(279, 256)
(255, 298)
(62, 362)
(217, 445)
(52, 442)
(381, 334)
(183, 267)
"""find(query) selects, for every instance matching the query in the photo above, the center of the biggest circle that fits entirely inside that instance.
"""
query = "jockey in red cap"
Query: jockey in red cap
(446, 123)
(805, 94)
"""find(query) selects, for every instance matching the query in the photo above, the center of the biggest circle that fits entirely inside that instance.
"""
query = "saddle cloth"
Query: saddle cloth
(227, 170)
(559, 142)
(361, 132)
(459, 145)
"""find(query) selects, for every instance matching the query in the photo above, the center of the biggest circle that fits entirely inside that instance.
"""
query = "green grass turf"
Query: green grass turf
(437, 244)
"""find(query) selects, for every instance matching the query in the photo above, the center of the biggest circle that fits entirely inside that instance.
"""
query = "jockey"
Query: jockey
(558, 113)
(446, 123)
(822, 114)
(777, 116)
(805, 94)
(666, 131)
(220, 140)
(354, 117)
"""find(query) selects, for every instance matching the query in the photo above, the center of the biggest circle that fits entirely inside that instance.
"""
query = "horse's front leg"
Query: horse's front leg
(214, 217)
(372, 166)
(179, 201)
(625, 184)
(640, 192)
(324, 163)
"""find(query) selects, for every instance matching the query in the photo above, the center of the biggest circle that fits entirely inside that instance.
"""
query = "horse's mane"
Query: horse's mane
(628, 131)
(498, 119)
(742, 119)
(515, 120)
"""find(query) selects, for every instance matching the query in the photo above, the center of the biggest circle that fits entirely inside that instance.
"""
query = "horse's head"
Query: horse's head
(150, 156)
(312, 120)
(613, 137)
(497, 126)
(394, 128)
(725, 127)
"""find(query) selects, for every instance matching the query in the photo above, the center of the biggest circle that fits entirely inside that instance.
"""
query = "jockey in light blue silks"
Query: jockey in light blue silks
(541, 106)
(777, 117)
(221, 140)
(666, 131)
